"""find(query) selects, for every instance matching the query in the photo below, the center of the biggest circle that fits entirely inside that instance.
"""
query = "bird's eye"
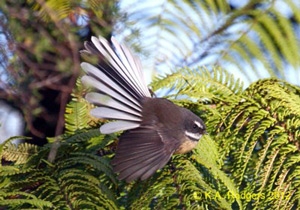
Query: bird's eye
(195, 126)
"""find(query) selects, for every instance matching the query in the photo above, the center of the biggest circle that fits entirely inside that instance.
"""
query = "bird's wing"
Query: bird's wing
(119, 84)
(141, 152)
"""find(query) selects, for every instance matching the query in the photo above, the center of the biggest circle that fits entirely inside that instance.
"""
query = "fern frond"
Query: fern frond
(52, 9)
(77, 111)
(190, 184)
(78, 178)
(207, 155)
(214, 85)
(18, 153)
(256, 39)
(24, 199)
(256, 131)
(76, 116)
(186, 183)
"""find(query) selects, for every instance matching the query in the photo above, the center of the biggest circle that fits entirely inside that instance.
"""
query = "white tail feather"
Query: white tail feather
(117, 126)
(136, 66)
(133, 68)
(90, 69)
(90, 81)
(98, 98)
(108, 113)
(128, 70)
(103, 46)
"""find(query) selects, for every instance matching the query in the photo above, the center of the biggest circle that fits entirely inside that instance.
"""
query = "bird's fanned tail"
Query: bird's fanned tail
(119, 84)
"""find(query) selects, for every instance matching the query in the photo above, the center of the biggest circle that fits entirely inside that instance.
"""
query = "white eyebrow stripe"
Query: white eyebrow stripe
(198, 124)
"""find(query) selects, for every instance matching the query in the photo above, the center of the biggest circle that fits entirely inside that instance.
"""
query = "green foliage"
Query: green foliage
(77, 111)
(79, 179)
(40, 59)
(257, 38)
(184, 183)
(256, 130)
(18, 153)
(249, 160)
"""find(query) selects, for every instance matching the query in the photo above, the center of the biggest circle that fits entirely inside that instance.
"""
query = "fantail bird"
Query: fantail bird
(155, 128)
